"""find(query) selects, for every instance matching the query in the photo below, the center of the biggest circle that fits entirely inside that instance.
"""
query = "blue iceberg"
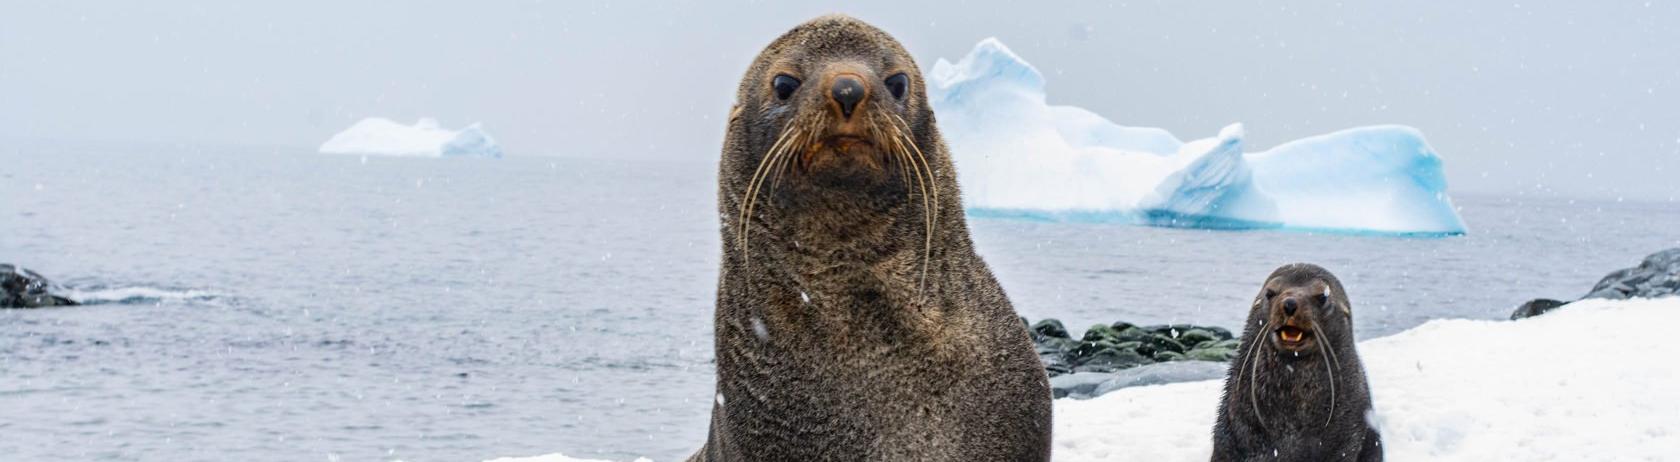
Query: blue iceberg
(380, 136)
(1018, 156)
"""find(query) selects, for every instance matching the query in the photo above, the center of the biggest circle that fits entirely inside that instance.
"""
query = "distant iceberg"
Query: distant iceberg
(1018, 156)
(380, 136)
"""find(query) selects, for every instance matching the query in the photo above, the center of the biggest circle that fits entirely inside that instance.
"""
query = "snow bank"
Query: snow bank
(1595, 380)
(1016, 155)
(379, 136)
(556, 457)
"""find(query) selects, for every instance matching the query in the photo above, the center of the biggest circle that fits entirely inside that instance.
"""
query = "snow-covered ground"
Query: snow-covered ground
(557, 457)
(1595, 380)
(1018, 155)
(383, 137)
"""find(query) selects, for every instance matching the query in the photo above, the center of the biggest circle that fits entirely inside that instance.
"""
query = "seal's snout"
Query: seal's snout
(847, 92)
(1289, 306)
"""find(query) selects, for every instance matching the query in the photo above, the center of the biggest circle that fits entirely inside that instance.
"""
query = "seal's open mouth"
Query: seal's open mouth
(1293, 337)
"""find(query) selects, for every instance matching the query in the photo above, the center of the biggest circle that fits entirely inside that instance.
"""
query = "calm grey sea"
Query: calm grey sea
(294, 306)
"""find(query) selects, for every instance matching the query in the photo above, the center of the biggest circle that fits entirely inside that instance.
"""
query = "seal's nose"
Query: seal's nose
(1289, 306)
(847, 92)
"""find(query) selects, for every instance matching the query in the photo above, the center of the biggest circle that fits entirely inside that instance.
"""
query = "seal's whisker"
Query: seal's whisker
(1327, 368)
(900, 155)
(906, 164)
(802, 130)
(895, 152)
(757, 180)
(928, 213)
(1254, 376)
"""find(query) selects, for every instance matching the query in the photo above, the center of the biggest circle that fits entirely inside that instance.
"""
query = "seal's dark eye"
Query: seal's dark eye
(1271, 293)
(1322, 299)
(784, 85)
(897, 84)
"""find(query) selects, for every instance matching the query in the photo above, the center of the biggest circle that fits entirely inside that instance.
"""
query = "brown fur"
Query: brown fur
(905, 350)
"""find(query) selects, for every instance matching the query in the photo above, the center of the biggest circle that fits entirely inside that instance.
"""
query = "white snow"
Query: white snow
(1595, 380)
(556, 457)
(379, 136)
(1016, 155)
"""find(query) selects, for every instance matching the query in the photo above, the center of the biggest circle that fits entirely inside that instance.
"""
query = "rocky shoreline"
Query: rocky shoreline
(1658, 275)
(1108, 356)
(1093, 363)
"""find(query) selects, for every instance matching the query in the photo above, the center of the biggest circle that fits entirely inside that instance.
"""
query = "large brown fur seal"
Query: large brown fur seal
(854, 320)
(1298, 391)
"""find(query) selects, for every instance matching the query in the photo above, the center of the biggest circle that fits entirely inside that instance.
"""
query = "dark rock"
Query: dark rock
(1050, 328)
(1133, 334)
(1608, 294)
(1141, 348)
(1211, 354)
(1657, 275)
(1078, 384)
(1168, 356)
(22, 288)
(1196, 336)
(1055, 365)
(1222, 333)
(1227, 344)
(1101, 332)
(1105, 348)
(1056, 345)
(1088, 349)
(1111, 359)
(1535, 307)
(1161, 342)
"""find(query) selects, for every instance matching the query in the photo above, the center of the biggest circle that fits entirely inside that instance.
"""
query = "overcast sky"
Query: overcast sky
(1575, 97)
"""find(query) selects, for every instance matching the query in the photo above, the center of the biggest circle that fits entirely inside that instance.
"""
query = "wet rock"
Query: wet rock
(1162, 342)
(22, 288)
(1123, 345)
(1112, 359)
(1101, 333)
(1211, 354)
(1049, 328)
(1658, 275)
(1194, 337)
(1535, 307)
(1168, 356)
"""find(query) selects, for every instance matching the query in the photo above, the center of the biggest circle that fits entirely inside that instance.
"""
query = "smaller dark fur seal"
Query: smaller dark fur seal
(1297, 392)
(22, 288)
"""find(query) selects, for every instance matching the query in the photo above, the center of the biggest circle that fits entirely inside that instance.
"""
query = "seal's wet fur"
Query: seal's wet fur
(854, 320)
(1303, 400)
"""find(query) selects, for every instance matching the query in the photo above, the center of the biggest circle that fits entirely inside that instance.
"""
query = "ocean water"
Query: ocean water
(283, 305)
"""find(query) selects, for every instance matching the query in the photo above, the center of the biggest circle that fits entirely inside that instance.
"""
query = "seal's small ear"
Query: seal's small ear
(734, 113)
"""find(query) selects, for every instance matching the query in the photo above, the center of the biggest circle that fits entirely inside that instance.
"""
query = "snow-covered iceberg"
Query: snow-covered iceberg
(380, 136)
(1016, 155)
